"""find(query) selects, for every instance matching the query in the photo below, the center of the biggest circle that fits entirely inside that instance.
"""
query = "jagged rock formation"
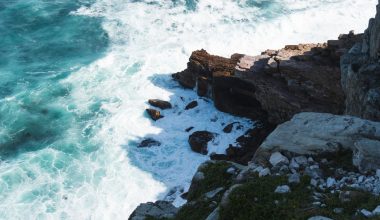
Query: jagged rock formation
(275, 85)
(157, 210)
(361, 74)
(315, 133)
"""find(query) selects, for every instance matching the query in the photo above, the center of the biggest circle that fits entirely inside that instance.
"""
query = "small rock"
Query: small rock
(231, 170)
(330, 182)
(378, 173)
(228, 128)
(277, 159)
(189, 129)
(293, 164)
(294, 178)
(154, 114)
(213, 193)
(314, 182)
(338, 210)
(160, 103)
(366, 213)
(264, 172)
(282, 189)
(191, 105)
(301, 160)
(150, 142)
(310, 160)
(376, 211)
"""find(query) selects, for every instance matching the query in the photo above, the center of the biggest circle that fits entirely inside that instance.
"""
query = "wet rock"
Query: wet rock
(154, 114)
(191, 105)
(198, 141)
(189, 129)
(215, 156)
(157, 210)
(228, 128)
(150, 142)
(160, 103)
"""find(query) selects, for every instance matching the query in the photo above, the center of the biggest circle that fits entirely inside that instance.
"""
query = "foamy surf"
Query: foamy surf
(148, 41)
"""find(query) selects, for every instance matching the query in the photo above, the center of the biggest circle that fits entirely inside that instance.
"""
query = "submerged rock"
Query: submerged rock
(150, 142)
(160, 103)
(154, 114)
(157, 210)
(198, 141)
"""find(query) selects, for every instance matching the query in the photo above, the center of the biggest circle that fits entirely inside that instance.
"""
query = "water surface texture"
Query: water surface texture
(75, 76)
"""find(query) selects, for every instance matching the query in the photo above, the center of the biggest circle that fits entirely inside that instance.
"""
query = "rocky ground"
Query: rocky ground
(313, 153)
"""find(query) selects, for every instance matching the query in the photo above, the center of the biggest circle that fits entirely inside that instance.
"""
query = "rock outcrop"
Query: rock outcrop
(157, 210)
(160, 103)
(315, 133)
(275, 85)
(361, 74)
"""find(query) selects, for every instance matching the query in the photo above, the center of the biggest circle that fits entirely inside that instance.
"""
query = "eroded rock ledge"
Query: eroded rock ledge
(275, 85)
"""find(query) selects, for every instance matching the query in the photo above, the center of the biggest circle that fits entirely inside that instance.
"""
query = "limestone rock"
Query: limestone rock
(157, 210)
(277, 159)
(361, 74)
(313, 133)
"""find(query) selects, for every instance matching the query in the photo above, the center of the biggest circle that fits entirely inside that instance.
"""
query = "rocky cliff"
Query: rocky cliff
(361, 74)
(321, 162)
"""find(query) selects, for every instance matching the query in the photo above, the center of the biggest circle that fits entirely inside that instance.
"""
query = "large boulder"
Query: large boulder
(314, 133)
(361, 74)
(157, 210)
(274, 85)
(199, 140)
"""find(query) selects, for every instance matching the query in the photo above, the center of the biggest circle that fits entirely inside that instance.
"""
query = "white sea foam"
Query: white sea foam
(149, 40)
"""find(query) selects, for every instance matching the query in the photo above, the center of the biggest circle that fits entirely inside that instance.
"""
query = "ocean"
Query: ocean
(75, 77)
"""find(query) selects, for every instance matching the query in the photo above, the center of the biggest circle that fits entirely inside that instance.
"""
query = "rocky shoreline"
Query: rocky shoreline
(313, 153)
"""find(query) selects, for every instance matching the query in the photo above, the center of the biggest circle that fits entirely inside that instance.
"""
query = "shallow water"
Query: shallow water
(75, 77)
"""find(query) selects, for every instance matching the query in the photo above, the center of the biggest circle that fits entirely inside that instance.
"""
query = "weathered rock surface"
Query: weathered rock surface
(361, 74)
(154, 114)
(198, 141)
(160, 103)
(314, 133)
(157, 210)
(275, 85)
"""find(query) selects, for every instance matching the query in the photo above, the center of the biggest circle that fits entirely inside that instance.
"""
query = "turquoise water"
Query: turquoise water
(75, 76)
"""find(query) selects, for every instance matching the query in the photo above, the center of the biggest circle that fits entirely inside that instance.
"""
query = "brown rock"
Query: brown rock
(229, 127)
(198, 141)
(202, 86)
(154, 114)
(160, 103)
(277, 84)
(191, 105)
